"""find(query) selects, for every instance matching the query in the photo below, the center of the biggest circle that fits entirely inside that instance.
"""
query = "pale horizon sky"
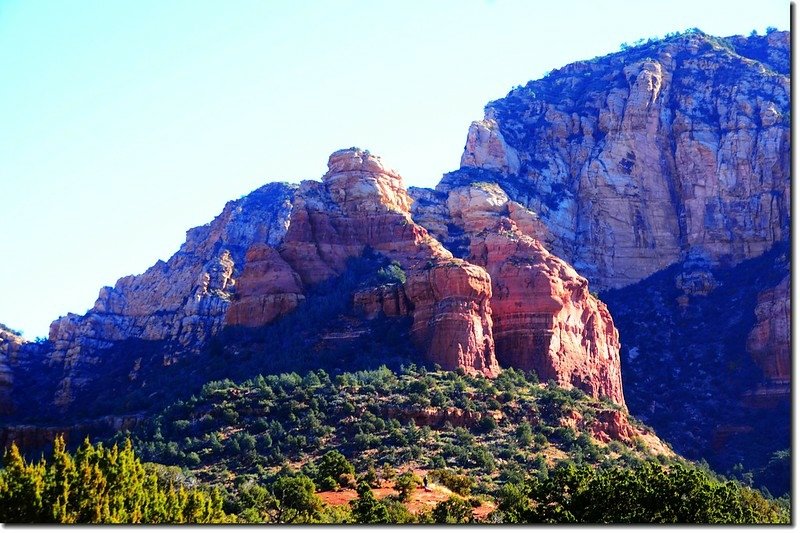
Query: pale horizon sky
(124, 123)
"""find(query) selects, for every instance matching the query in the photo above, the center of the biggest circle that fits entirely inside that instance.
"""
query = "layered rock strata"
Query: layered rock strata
(635, 159)
(362, 204)
(544, 317)
(10, 344)
(183, 300)
(769, 342)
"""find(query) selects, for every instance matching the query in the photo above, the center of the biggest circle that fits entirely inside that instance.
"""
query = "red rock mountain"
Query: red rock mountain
(256, 262)
(666, 159)
(636, 159)
(670, 158)
(558, 329)
(361, 203)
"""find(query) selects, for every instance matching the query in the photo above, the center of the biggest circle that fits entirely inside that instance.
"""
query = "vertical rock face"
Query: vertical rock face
(634, 159)
(452, 315)
(10, 344)
(544, 318)
(267, 289)
(362, 203)
(769, 342)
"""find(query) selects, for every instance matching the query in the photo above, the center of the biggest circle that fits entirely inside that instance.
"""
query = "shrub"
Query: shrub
(524, 433)
(97, 485)
(460, 484)
(295, 501)
(347, 481)
(387, 472)
(452, 511)
(331, 467)
(367, 509)
(405, 485)
(486, 424)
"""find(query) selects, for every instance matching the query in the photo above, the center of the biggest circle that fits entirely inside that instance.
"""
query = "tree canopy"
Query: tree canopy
(98, 485)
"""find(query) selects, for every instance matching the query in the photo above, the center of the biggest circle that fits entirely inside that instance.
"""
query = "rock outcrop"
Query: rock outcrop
(10, 343)
(486, 148)
(769, 342)
(384, 300)
(547, 319)
(183, 300)
(452, 315)
(635, 159)
(360, 204)
(544, 317)
(268, 288)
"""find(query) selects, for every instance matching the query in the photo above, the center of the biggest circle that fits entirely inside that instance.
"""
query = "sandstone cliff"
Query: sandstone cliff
(544, 317)
(10, 343)
(182, 300)
(661, 171)
(258, 260)
(548, 320)
(635, 159)
(360, 204)
(769, 342)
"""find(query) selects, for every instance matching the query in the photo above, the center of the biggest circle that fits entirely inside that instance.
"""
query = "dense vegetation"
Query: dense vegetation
(646, 493)
(269, 449)
(471, 434)
(98, 485)
(492, 429)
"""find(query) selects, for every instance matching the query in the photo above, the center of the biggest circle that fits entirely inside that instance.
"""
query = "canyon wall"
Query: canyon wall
(636, 159)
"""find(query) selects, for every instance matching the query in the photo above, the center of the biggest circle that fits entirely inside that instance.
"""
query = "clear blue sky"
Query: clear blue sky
(124, 123)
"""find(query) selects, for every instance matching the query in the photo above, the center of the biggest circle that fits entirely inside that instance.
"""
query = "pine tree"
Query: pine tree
(367, 509)
(98, 485)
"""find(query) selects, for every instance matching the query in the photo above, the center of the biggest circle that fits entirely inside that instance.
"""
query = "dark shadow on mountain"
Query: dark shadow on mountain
(686, 369)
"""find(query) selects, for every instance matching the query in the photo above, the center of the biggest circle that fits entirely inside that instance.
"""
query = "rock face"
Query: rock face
(387, 300)
(10, 344)
(183, 300)
(361, 204)
(769, 342)
(635, 159)
(268, 288)
(544, 318)
(452, 315)
(486, 148)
